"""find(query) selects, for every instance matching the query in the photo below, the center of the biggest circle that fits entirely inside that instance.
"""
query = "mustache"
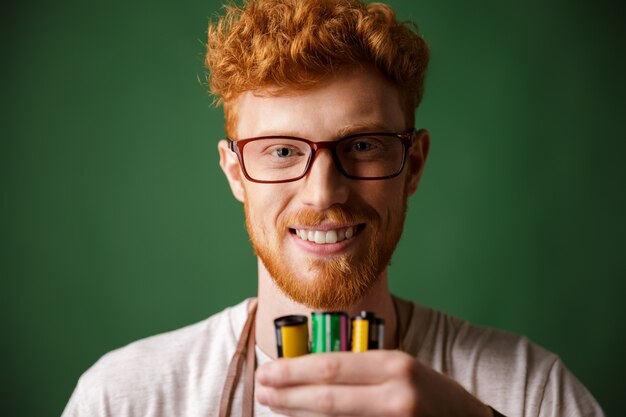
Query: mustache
(336, 214)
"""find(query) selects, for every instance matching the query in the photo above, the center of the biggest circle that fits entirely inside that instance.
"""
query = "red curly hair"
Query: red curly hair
(296, 44)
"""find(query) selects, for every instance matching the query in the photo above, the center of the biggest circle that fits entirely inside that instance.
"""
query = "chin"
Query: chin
(326, 291)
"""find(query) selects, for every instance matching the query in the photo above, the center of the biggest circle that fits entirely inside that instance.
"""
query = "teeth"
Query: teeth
(331, 236)
(326, 236)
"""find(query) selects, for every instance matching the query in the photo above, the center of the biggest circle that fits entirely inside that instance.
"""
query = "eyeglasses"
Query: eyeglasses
(363, 156)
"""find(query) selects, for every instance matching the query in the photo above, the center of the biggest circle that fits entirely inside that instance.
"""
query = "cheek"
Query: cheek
(386, 197)
(266, 203)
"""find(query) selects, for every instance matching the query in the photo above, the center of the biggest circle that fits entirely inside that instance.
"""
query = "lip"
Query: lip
(327, 249)
(327, 226)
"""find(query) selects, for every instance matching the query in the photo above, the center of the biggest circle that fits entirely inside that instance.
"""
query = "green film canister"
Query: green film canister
(330, 331)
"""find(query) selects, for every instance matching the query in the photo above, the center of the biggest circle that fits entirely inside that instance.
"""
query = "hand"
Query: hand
(375, 383)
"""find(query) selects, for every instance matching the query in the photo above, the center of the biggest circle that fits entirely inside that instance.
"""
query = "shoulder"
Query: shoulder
(451, 339)
(505, 370)
(136, 375)
(448, 343)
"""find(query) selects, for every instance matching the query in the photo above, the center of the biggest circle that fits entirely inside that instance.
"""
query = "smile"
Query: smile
(327, 236)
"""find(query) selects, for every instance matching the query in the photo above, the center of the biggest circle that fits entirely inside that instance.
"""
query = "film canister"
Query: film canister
(292, 336)
(377, 338)
(368, 332)
(330, 331)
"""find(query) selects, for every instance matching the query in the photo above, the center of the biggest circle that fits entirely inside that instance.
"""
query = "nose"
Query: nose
(324, 185)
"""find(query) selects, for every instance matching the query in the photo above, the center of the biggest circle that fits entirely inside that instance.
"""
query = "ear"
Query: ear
(230, 165)
(417, 159)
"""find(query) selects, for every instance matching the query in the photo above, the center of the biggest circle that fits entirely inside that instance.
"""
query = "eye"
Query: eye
(283, 152)
(362, 146)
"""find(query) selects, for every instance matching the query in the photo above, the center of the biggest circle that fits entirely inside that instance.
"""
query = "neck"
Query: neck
(274, 303)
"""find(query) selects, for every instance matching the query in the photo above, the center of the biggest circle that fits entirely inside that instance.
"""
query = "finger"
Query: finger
(372, 367)
(328, 400)
(298, 413)
(282, 411)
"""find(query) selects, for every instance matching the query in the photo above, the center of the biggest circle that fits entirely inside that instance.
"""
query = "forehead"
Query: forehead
(359, 99)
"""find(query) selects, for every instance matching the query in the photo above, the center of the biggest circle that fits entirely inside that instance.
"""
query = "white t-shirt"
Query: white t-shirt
(182, 373)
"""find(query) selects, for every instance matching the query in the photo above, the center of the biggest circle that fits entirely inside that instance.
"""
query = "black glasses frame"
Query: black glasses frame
(407, 139)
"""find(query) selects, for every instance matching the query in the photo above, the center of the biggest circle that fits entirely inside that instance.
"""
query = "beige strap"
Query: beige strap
(246, 343)
(248, 376)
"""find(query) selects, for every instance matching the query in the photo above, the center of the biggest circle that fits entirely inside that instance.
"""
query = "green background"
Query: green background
(118, 224)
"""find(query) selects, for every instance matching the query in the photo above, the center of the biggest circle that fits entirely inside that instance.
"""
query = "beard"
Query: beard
(330, 282)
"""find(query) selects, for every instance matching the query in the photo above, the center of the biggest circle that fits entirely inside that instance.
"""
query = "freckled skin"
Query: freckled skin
(356, 101)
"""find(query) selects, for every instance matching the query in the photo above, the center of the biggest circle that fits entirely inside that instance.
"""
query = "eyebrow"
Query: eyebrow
(367, 127)
(362, 128)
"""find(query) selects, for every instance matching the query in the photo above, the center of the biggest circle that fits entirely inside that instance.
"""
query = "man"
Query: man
(319, 98)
